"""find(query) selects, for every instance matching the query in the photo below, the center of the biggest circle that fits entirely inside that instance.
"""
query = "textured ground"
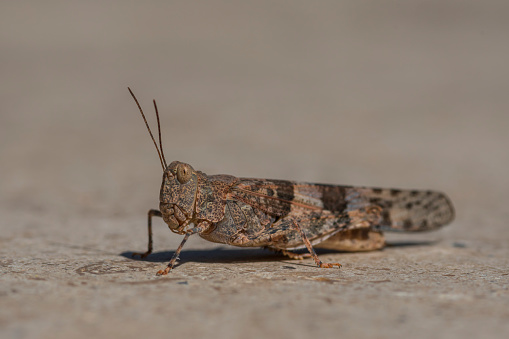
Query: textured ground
(408, 95)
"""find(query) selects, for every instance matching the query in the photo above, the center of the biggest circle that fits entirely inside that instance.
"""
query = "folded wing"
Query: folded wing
(380, 209)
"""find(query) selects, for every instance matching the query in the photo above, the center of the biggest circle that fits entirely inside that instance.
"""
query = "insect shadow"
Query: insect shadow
(220, 254)
(238, 255)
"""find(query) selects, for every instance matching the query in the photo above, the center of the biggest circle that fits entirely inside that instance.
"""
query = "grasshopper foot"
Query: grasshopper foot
(142, 255)
(327, 265)
(164, 272)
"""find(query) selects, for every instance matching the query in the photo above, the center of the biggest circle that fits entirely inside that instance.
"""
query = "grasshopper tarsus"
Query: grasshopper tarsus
(329, 265)
(164, 272)
(141, 255)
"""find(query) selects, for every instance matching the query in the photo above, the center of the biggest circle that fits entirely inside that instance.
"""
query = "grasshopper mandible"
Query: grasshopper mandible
(286, 215)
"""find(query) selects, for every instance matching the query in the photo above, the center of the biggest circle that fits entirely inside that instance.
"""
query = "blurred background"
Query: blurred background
(399, 94)
(393, 94)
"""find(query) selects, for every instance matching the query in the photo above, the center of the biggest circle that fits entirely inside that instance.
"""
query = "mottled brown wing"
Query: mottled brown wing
(409, 210)
(384, 209)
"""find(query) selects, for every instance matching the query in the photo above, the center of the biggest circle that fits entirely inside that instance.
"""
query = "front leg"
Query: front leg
(151, 213)
(202, 226)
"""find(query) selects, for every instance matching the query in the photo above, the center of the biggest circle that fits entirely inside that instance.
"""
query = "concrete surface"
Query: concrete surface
(393, 94)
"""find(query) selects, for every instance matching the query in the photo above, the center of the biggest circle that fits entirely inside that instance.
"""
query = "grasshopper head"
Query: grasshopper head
(178, 190)
(177, 197)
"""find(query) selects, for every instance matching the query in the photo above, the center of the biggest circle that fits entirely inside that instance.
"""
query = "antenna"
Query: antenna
(163, 163)
(159, 130)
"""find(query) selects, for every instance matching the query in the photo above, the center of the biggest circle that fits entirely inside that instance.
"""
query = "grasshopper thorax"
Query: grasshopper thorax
(178, 195)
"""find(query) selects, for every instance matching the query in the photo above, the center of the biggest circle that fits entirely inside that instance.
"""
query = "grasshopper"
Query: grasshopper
(284, 215)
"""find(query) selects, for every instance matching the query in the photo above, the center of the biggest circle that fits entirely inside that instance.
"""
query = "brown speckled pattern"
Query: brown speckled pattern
(259, 212)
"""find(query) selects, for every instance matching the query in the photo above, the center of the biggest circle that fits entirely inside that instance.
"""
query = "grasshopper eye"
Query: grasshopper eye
(183, 173)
